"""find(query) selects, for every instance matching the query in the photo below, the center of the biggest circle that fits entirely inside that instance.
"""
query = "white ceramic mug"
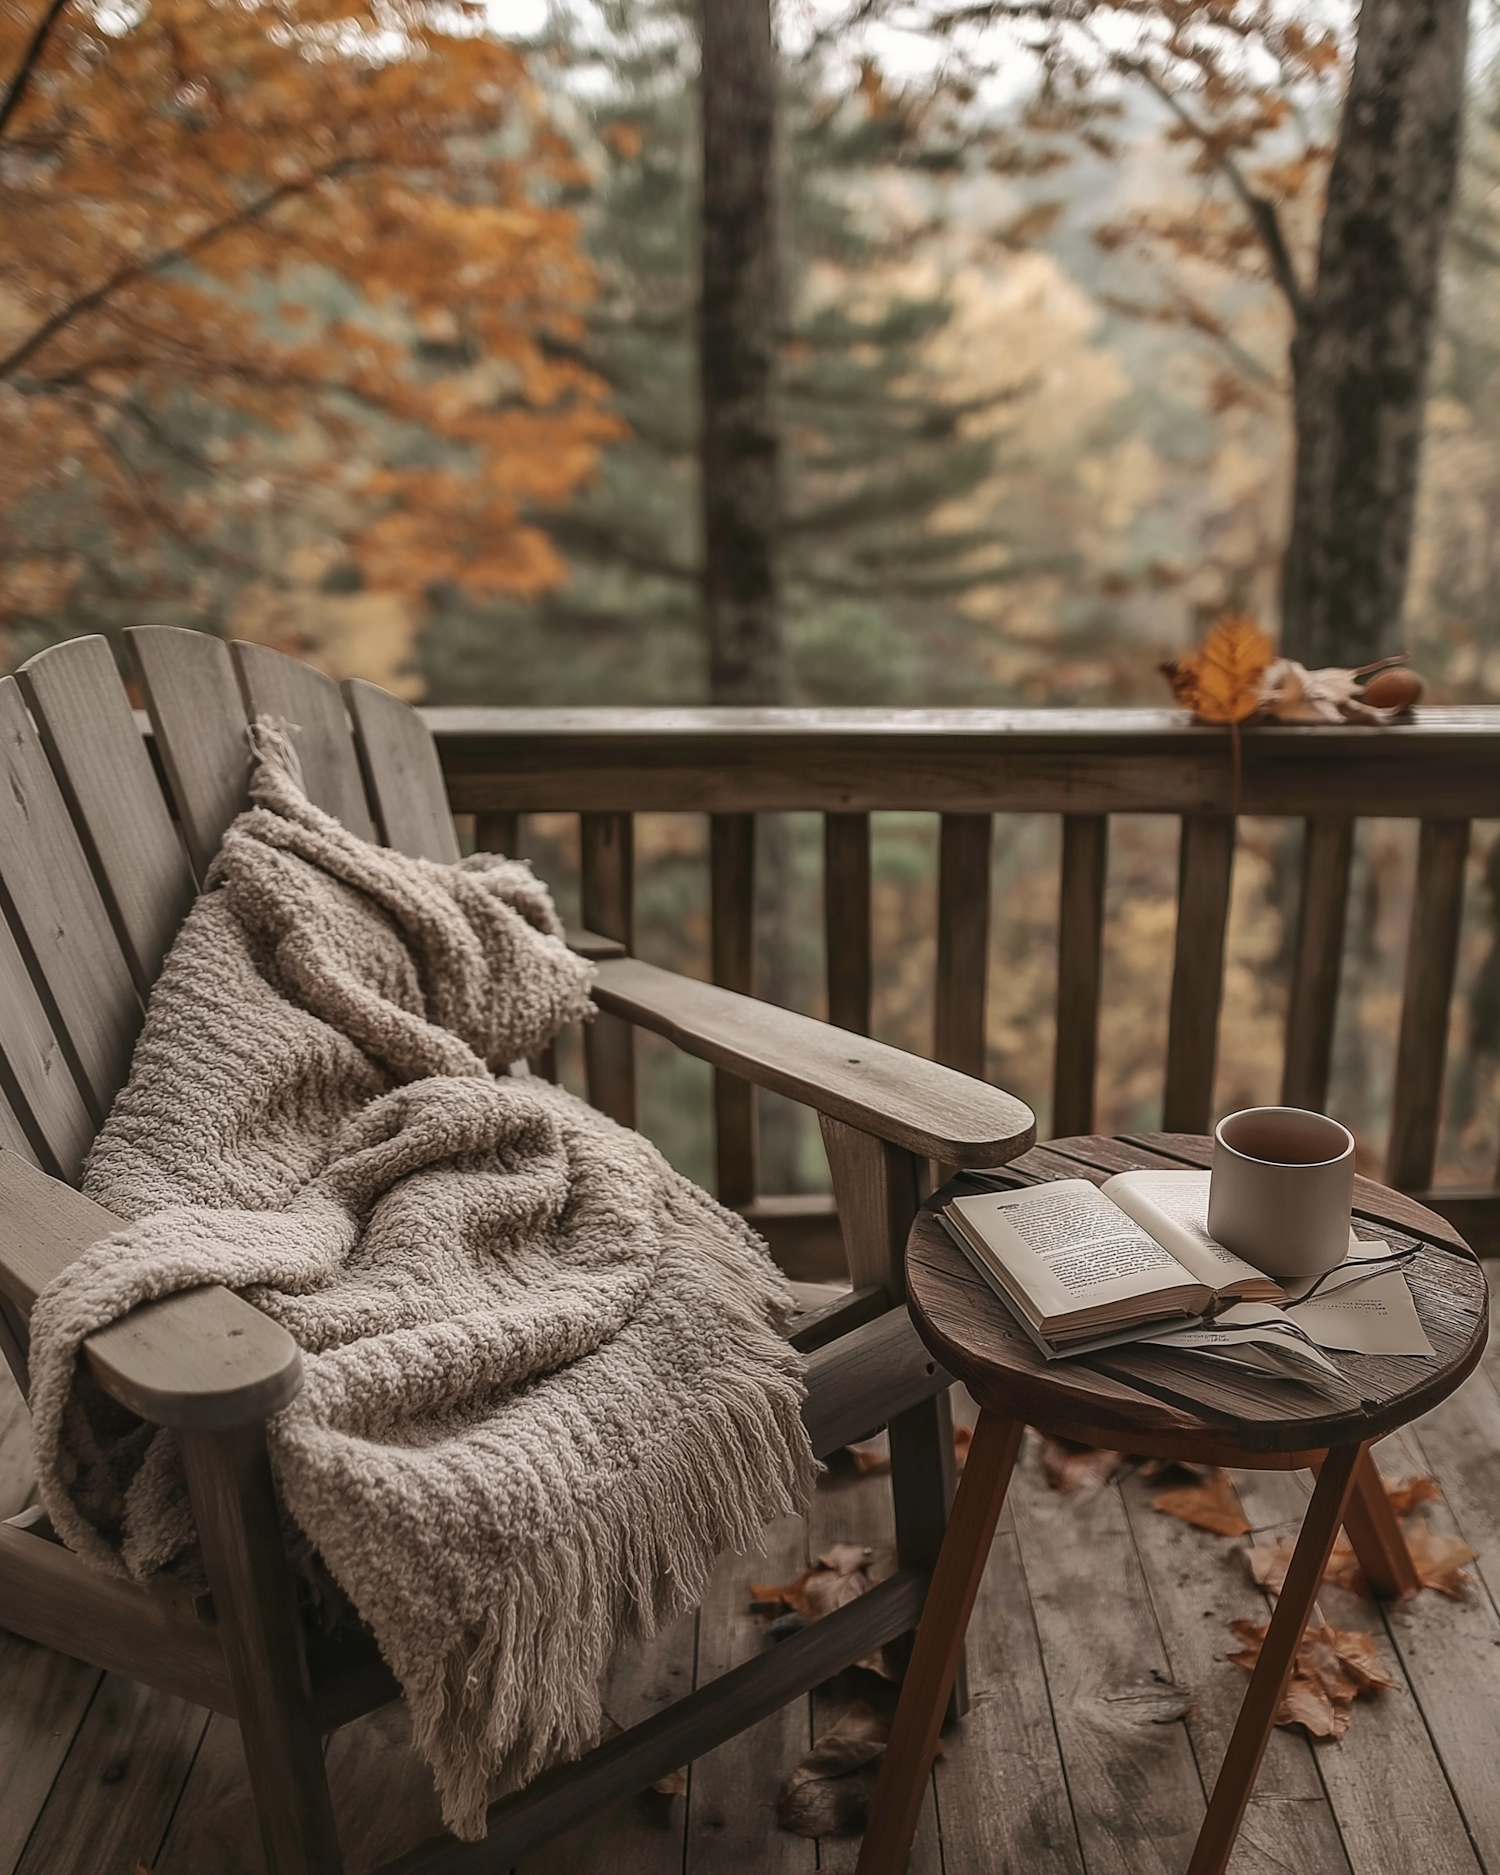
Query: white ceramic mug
(1281, 1189)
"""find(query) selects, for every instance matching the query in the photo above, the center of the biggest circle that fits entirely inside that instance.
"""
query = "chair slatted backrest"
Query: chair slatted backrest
(310, 704)
(45, 1117)
(198, 720)
(58, 914)
(402, 773)
(89, 732)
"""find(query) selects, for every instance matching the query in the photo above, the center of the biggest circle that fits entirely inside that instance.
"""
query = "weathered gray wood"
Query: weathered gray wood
(1312, 1006)
(1080, 970)
(383, 1792)
(238, 1519)
(89, 732)
(115, 1793)
(52, 1597)
(42, 1094)
(856, 1384)
(917, 1104)
(923, 1477)
(57, 913)
(198, 720)
(203, 1357)
(1198, 1585)
(1386, 1785)
(645, 1835)
(43, 1697)
(607, 883)
(213, 1826)
(16, 1472)
(1431, 958)
(699, 1723)
(876, 1185)
(309, 703)
(1104, 761)
(402, 775)
(963, 942)
(846, 920)
(1204, 866)
(1135, 1788)
(731, 874)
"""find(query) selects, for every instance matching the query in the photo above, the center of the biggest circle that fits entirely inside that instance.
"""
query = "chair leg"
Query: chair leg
(1374, 1530)
(1252, 1729)
(940, 1639)
(239, 1527)
(924, 1474)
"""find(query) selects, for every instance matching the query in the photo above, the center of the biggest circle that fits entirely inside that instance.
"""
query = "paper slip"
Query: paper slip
(1363, 1314)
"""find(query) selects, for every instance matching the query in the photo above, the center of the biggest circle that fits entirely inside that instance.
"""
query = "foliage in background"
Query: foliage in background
(285, 289)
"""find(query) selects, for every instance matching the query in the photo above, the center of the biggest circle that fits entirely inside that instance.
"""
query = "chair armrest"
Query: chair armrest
(927, 1108)
(204, 1358)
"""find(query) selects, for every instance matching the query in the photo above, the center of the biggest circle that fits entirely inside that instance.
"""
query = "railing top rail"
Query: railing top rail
(1445, 762)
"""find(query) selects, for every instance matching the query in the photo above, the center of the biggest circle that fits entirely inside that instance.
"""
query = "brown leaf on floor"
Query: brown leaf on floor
(870, 1464)
(1439, 1560)
(1332, 1669)
(828, 1794)
(1269, 1563)
(1211, 1506)
(841, 1574)
(674, 1784)
(1406, 1497)
(1069, 1466)
(1334, 1666)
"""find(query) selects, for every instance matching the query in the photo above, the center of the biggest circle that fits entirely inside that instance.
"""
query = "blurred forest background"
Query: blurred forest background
(369, 332)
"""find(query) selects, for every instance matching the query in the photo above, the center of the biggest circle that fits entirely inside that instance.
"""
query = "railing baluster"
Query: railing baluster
(963, 942)
(732, 924)
(1431, 959)
(607, 867)
(1080, 961)
(499, 833)
(846, 919)
(1327, 848)
(1205, 861)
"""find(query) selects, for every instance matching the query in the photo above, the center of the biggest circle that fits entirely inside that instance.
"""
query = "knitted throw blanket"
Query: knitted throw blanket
(544, 1384)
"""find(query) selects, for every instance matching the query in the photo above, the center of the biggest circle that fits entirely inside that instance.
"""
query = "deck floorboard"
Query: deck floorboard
(1071, 1762)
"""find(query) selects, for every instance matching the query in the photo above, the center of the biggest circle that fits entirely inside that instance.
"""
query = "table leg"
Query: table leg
(1375, 1532)
(1252, 1729)
(940, 1638)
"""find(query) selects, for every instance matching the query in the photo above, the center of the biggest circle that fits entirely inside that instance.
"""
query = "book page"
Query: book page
(1261, 1337)
(1173, 1207)
(1069, 1247)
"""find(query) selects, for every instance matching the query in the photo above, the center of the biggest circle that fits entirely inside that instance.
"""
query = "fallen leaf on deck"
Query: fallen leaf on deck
(1212, 1506)
(1439, 1560)
(1406, 1497)
(841, 1574)
(1069, 1466)
(1269, 1563)
(1334, 1666)
(829, 1792)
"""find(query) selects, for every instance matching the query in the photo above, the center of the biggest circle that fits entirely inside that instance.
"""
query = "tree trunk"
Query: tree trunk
(737, 354)
(1365, 336)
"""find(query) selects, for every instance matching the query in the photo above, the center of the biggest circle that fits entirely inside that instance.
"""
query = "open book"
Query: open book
(1085, 1266)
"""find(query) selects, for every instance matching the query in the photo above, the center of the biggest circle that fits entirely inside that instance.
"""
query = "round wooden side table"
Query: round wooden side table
(1145, 1400)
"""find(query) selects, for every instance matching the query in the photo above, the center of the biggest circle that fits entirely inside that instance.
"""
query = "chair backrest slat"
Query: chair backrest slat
(89, 732)
(57, 910)
(198, 718)
(42, 1103)
(276, 685)
(403, 776)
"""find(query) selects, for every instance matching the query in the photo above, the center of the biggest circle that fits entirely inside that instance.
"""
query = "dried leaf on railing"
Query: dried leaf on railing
(1235, 676)
(1069, 1467)
(1290, 693)
(1220, 682)
(1211, 1506)
(1333, 1668)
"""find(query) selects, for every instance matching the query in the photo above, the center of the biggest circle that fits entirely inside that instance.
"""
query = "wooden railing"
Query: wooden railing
(1442, 769)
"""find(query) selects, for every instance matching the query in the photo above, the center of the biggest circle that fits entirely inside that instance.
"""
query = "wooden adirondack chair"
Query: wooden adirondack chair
(99, 861)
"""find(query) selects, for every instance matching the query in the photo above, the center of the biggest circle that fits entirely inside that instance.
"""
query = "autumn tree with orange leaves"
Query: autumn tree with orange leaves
(311, 256)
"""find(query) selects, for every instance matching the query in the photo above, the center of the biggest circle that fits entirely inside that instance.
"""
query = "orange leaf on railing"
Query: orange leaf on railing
(1229, 666)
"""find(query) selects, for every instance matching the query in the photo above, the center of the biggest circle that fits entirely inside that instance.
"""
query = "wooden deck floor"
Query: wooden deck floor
(1095, 1611)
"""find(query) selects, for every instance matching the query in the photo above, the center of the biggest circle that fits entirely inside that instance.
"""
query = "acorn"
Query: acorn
(1392, 690)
